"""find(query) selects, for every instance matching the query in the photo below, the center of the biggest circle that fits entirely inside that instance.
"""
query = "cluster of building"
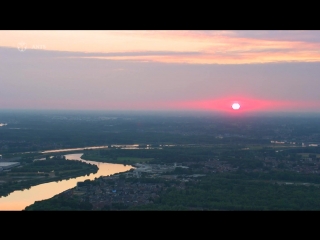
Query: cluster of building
(112, 190)
(7, 165)
(153, 170)
(303, 165)
(303, 144)
(105, 192)
(211, 166)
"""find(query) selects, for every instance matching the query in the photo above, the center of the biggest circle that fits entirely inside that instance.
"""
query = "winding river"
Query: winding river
(19, 200)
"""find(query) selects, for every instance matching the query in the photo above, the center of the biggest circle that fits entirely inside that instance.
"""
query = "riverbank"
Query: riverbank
(41, 172)
(19, 200)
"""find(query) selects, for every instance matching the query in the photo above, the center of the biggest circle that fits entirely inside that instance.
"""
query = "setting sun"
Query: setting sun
(235, 106)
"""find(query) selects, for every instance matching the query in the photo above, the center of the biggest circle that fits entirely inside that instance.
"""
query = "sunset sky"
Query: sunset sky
(160, 70)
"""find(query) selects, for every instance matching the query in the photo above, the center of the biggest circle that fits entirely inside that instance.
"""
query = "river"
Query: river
(19, 200)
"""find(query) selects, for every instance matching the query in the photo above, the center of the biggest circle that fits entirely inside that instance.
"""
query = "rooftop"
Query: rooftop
(6, 164)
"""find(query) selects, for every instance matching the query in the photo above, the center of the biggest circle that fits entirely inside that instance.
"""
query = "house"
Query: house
(8, 165)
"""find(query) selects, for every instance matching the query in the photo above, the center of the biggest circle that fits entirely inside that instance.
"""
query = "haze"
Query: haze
(160, 70)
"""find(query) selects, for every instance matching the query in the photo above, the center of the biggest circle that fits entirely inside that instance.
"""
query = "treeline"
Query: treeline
(62, 169)
(168, 155)
(60, 203)
(236, 192)
(53, 165)
(165, 155)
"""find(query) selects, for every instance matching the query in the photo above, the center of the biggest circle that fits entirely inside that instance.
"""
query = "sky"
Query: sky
(161, 70)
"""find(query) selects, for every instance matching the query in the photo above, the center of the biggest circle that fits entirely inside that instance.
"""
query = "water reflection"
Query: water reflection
(73, 149)
(18, 200)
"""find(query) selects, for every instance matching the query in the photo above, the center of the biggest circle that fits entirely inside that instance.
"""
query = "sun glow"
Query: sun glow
(235, 106)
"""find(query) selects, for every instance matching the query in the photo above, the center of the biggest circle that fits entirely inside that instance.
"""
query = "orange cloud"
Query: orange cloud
(214, 47)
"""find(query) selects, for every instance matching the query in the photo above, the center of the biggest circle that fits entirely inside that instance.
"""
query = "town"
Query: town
(144, 184)
(169, 156)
